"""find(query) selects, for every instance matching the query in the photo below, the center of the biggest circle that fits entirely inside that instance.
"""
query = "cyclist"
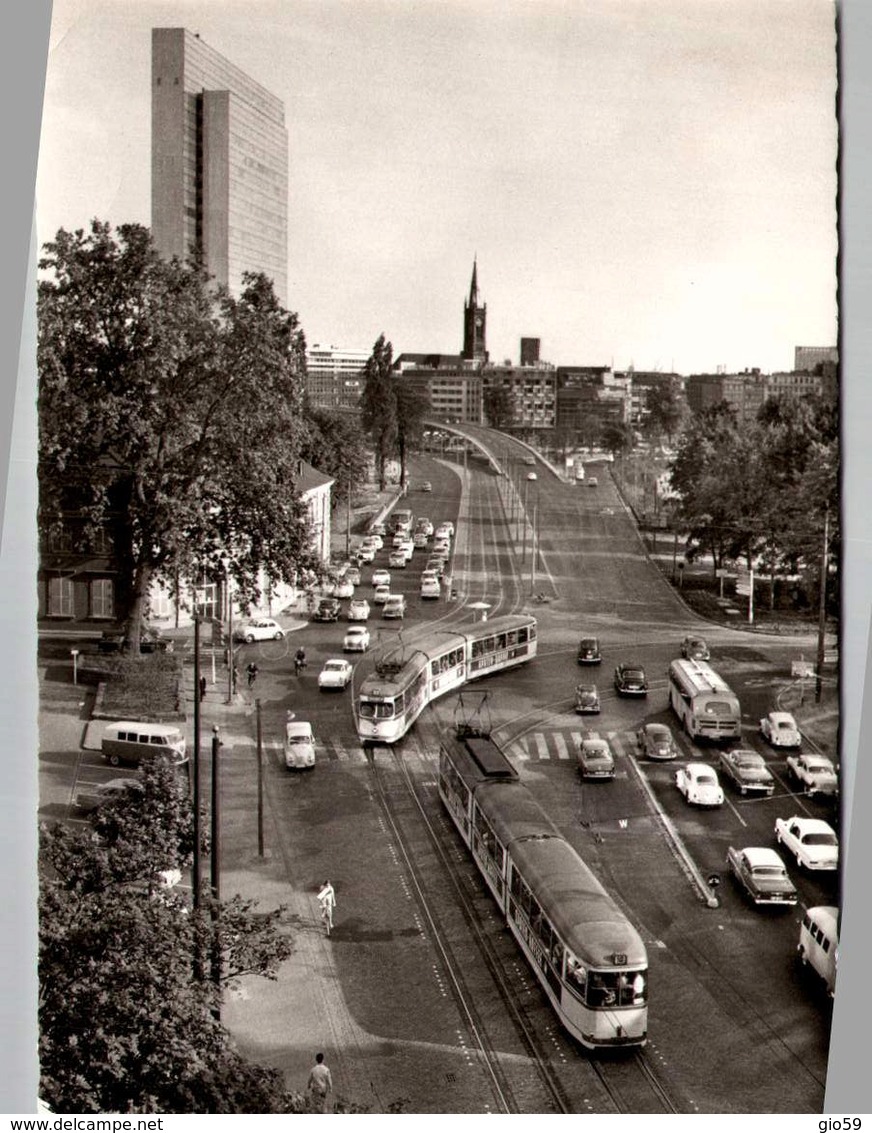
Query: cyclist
(299, 660)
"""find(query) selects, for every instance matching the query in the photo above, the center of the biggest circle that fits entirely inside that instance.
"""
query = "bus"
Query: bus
(588, 957)
(410, 676)
(703, 701)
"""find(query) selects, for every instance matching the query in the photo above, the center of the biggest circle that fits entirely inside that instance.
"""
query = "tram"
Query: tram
(408, 677)
(588, 957)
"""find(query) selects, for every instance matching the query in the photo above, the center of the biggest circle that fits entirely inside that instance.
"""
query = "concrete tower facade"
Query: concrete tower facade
(219, 163)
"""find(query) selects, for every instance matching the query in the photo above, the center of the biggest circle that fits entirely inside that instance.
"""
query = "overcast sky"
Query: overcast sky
(645, 182)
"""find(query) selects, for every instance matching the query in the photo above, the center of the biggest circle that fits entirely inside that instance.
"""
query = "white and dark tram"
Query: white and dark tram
(587, 956)
(409, 676)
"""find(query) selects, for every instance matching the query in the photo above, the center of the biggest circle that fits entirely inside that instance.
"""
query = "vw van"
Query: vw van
(819, 942)
(131, 741)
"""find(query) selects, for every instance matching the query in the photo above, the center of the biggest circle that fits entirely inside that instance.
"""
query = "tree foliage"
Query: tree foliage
(378, 405)
(666, 408)
(125, 1024)
(337, 446)
(499, 406)
(412, 406)
(168, 403)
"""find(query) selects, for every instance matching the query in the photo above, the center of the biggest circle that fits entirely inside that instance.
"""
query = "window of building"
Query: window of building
(102, 598)
(60, 597)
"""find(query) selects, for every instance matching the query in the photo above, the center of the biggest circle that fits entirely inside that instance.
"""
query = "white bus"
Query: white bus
(703, 701)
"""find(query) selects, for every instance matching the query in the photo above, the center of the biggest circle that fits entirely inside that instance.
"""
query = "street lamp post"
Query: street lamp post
(531, 478)
(215, 870)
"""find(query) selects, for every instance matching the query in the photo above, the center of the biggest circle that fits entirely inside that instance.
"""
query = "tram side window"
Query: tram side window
(522, 635)
(521, 892)
(576, 973)
(532, 633)
(512, 637)
(501, 641)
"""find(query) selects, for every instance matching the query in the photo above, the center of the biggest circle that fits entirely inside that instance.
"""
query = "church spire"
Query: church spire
(474, 323)
(473, 287)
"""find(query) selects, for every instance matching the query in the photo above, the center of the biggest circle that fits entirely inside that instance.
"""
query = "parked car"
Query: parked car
(336, 673)
(426, 486)
(595, 759)
(761, 873)
(358, 610)
(430, 587)
(812, 841)
(381, 578)
(748, 771)
(328, 610)
(586, 699)
(356, 640)
(150, 641)
(299, 745)
(394, 606)
(630, 680)
(656, 742)
(699, 784)
(815, 773)
(397, 559)
(589, 651)
(93, 796)
(695, 648)
(259, 629)
(380, 595)
(780, 729)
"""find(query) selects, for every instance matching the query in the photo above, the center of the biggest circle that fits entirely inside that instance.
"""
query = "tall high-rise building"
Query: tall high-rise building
(219, 163)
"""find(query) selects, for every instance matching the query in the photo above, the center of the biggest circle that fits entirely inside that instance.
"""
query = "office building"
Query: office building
(334, 377)
(219, 163)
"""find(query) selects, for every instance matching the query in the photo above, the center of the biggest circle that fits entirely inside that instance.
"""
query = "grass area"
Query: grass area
(148, 687)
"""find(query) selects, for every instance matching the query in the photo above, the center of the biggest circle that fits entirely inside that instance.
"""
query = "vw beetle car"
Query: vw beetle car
(780, 729)
(586, 699)
(699, 784)
(299, 745)
(656, 742)
(259, 629)
(630, 680)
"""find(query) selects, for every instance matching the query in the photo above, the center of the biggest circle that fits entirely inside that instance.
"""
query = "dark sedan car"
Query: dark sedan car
(748, 771)
(150, 641)
(761, 873)
(589, 651)
(328, 610)
(695, 648)
(630, 680)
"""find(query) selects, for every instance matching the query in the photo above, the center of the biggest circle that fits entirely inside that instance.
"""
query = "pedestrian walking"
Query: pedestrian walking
(327, 901)
(252, 673)
(202, 689)
(320, 1084)
(235, 676)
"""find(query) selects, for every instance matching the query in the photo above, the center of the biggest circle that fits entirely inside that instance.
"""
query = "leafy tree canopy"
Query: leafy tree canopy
(378, 405)
(169, 403)
(337, 447)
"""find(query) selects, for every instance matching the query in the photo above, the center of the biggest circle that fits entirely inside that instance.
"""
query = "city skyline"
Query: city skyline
(646, 186)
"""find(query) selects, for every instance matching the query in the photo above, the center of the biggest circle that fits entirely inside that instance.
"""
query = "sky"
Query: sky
(646, 183)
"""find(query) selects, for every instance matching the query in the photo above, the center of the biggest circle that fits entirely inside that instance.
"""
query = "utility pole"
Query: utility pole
(215, 873)
(260, 847)
(195, 767)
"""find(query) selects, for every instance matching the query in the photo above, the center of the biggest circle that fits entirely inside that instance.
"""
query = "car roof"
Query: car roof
(298, 728)
(811, 824)
(657, 730)
(761, 855)
(782, 717)
(701, 768)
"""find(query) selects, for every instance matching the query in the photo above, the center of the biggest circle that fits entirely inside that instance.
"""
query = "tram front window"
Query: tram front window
(375, 710)
(616, 989)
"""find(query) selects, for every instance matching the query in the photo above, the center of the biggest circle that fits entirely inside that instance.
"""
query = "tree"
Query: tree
(410, 408)
(666, 408)
(167, 402)
(336, 445)
(616, 436)
(499, 406)
(378, 406)
(125, 1026)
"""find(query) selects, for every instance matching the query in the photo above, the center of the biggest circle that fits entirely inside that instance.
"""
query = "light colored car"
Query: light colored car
(401, 535)
(586, 699)
(436, 564)
(299, 745)
(398, 559)
(592, 481)
(344, 588)
(441, 547)
(419, 540)
(374, 541)
(381, 578)
(448, 526)
(761, 873)
(780, 729)
(443, 531)
(748, 771)
(394, 607)
(426, 525)
(352, 573)
(595, 759)
(381, 595)
(656, 742)
(812, 841)
(93, 797)
(366, 554)
(358, 610)
(259, 629)
(356, 640)
(336, 673)
(377, 528)
(815, 773)
(430, 587)
(426, 486)
(699, 784)
(408, 549)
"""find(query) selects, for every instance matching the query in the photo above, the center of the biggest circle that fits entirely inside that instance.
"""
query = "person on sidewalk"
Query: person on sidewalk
(202, 689)
(320, 1084)
(252, 673)
(327, 901)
